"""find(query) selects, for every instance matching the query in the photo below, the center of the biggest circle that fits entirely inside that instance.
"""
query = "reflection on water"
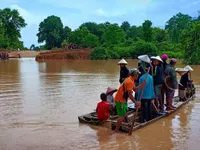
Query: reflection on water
(40, 102)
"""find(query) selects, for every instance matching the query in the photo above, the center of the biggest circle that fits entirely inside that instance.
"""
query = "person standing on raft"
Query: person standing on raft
(125, 91)
(170, 89)
(164, 65)
(164, 58)
(124, 72)
(146, 96)
(158, 80)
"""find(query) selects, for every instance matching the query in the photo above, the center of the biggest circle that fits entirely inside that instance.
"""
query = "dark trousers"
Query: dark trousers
(146, 107)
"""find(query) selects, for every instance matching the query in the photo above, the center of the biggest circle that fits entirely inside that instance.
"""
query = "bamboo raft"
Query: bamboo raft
(91, 118)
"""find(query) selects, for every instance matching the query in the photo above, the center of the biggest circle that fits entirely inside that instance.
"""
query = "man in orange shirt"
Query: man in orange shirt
(125, 91)
(103, 108)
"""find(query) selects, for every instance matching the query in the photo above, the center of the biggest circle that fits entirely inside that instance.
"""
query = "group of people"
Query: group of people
(4, 55)
(151, 82)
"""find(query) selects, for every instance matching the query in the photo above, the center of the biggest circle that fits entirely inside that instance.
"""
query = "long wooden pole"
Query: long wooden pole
(135, 115)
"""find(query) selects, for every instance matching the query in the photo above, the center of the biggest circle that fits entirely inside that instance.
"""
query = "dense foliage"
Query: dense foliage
(10, 25)
(51, 32)
(191, 43)
(179, 38)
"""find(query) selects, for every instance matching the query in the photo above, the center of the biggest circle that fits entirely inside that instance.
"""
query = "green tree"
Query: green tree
(160, 35)
(2, 38)
(98, 53)
(176, 24)
(91, 41)
(141, 47)
(101, 29)
(94, 28)
(134, 33)
(125, 26)
(11, 23)
(65, 44)
(66, 33)
(91, 26)
(147, 30)
(51, 32)
(106, 24)
(113, 35)
(190, 39)
(78, 36)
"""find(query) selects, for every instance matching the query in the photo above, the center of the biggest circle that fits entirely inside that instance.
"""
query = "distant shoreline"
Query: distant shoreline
(26, 53)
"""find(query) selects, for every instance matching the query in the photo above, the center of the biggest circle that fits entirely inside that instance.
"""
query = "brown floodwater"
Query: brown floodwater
(40, 103)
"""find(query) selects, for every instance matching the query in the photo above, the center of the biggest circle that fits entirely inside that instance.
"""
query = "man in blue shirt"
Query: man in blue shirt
(147, 96)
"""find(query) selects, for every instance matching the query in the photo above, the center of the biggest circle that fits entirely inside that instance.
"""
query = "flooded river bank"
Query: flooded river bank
(40, 103)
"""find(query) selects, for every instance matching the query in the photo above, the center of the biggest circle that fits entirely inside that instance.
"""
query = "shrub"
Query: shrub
(98, 53)
(141, 47)
(113, 54)
(166, 46)
(172, 54)
(124, 52)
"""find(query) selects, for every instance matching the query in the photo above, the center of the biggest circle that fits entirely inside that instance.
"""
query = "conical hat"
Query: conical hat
(122, 61)
(110, 90)
(181, 70)
(157, 58)
(144, 58)
(188, 68)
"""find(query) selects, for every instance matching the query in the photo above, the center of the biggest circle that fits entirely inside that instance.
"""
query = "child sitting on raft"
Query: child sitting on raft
(103, 108)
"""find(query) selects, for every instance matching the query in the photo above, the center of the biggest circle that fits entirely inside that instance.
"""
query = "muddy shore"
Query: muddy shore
(53, 54)
(64, 54)
(25, 53)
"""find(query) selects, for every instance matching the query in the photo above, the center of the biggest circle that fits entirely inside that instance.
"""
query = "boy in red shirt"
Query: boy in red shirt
(103, 108)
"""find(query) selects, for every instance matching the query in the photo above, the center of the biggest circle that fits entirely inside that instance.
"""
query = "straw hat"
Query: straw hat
(144, 58)
(188, 68)
(110, 90)
(122, 61)
(181, 70)
(157, 58)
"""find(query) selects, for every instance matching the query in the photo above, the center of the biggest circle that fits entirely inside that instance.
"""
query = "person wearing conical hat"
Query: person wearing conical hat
(110, 100)
(158, 78)
(184, 76)
(183, 83)
(124, 72)
(186, 80)
(145, 62)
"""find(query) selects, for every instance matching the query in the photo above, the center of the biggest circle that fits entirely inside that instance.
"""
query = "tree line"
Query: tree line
(180, 38)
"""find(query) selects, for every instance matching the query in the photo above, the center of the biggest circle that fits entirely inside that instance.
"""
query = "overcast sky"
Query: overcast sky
(75, 12)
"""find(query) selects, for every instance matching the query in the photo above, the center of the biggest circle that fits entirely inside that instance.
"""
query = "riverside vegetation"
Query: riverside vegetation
(180, 38)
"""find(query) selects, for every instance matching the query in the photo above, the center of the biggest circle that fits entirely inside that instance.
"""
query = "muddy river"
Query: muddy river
(40, 103)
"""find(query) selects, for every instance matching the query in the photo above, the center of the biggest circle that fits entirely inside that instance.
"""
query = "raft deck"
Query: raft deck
(126, 128)
(91, 118)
